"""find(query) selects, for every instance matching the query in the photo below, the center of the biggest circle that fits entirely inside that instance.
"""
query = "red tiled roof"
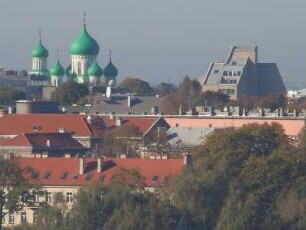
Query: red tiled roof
(148, 168)
(14, 140)
(48, 123)
(100, 124)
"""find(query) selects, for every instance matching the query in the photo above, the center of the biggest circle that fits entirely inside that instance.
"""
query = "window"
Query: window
(235, 73)
(225, 73)
(46, 175)
(74, 177)
(234, 63)
(34, 217)
(35, 175)
(48, 197)
(239, 73)
(23, 216)
(11, 218)
(79, 68)
(154, 178)
(216, 71)
(64, 176)
(36, 198)
(69, 197)
(89, 175)
(230, 73)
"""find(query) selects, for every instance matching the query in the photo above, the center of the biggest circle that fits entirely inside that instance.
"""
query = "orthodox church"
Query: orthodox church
(84, 67)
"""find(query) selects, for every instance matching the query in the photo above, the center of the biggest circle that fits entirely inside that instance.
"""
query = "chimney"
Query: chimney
(82, 166)
(48, 143)
(99, 165)
(187, 159)
(129, 101)
(118, 121)
(89, 119)
(61, 129)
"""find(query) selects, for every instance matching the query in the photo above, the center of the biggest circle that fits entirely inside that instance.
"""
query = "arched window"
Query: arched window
(79, 68)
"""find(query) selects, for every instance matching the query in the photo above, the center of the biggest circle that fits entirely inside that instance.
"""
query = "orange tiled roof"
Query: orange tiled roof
(46, 123)
(100, 124)
(14, 140)
(163, 169)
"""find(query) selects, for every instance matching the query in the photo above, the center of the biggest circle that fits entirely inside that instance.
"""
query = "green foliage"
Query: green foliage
(245, 178)
(15, 192)
(137, 86)
(9, 95)
(70, 92)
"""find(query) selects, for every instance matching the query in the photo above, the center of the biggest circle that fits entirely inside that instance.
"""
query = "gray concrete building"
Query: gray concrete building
(241, 75)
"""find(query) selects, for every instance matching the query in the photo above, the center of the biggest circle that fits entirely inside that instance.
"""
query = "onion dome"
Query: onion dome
(84, 44)
(95, 70)
(57, 70)
(110, 70)
(40, 50)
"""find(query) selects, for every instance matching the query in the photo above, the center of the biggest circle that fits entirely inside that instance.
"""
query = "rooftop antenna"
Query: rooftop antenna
(39, 35)
(57, 56)
(110, 55)
(84, 19)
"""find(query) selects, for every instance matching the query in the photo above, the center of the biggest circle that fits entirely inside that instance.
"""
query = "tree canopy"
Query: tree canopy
(9, 95)
(70, 92)
(137, 86)
(247, 178)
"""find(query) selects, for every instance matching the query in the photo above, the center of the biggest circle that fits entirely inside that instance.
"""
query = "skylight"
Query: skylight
(154, 178)
(64, 176)
(89, 175)
(46, 175)
(74, 177)
(35, 175)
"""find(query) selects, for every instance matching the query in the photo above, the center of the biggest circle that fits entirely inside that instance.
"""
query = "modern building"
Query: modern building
(13, 79)
(241, 75)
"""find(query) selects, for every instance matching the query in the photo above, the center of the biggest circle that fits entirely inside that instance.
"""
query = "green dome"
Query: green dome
(95, 70)
(40, 51)
(110, 70)
(57, 70)
(69, 73)
(84, 44)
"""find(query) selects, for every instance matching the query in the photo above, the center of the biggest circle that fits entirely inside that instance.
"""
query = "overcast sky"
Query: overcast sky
(160, 40)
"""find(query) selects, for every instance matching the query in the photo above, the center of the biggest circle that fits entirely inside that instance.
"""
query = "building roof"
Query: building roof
(100, 124)
(56, 167)
(110, 70)
(57, 69)
(190, 136)
(40, 51)
(53, 140)
(84, 44)
(44, 123)
(95, 70)
(140, 105)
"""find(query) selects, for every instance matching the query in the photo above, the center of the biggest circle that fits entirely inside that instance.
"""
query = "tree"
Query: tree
(120, 139)
(214, 99)
(239, 179)
(186, 96)
(15, 192)
(10, 95)
(137, 86)
(70, 92)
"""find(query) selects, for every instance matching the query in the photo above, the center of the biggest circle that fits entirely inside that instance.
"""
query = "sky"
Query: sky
(160, 40)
